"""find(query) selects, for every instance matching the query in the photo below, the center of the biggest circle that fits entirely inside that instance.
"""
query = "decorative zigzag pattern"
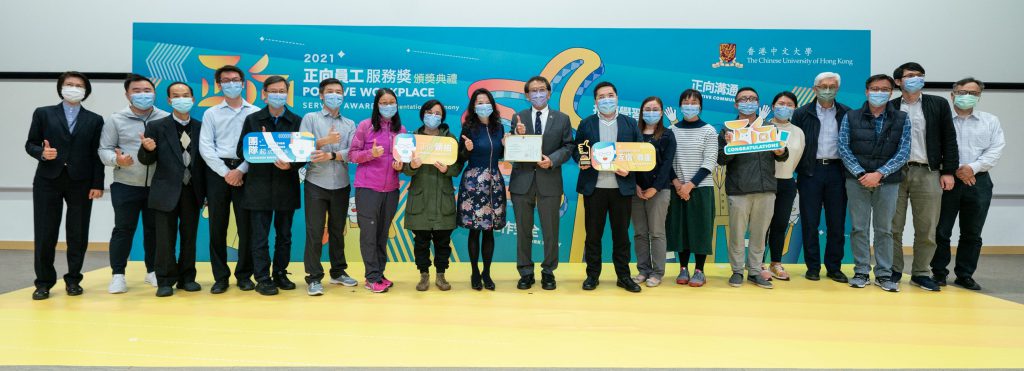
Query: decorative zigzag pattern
(165, 62)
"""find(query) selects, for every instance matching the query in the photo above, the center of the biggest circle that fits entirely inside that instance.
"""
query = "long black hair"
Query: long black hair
(375, 118)
(473, 121)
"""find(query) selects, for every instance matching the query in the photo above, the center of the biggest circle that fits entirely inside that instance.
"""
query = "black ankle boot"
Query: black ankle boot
(474, 280)
(488, 282)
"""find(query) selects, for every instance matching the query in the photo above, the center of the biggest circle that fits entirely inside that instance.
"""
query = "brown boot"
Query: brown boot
(424, 282)
(442, 283)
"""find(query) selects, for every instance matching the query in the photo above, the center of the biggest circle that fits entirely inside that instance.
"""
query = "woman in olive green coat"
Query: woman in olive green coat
(430, 205)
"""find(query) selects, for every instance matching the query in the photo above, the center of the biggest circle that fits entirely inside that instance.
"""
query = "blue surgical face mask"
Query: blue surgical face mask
(748, 108)
(431, 120)
(689, 111)
(913, 84)
(878, 98)
(182, 105)
(965, 101)
(539, 99)
(607, 105)
(388, 111)
(652, 117)
(826, 95)
(277, 100)
(783, 113)
(333, 100)
(143, 101)
(231, 89)
(483, 110)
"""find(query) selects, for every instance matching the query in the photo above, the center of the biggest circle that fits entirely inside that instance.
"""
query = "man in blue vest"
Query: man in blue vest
(874, 144)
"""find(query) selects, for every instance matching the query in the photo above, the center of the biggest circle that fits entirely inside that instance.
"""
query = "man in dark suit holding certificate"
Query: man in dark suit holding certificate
(539, 185)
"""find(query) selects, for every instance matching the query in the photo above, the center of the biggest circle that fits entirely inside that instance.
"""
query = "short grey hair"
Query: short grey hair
(968, 80)
(828, 75)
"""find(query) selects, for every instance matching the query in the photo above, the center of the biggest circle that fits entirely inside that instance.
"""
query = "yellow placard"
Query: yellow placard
(428, 148)
(629, 156)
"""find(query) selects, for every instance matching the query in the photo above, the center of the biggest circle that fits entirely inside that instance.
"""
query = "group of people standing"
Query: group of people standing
(871, 161)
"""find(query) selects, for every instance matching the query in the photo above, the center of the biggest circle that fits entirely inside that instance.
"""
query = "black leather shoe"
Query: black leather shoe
(190, 286)
(838, 276)
(41, 294)
(547, 281)
(628, 284)
(474, 281)
(282, 281)
(525, 282)
(967, 283)
(488, 282)
(940, 280)
(163, 291)
(219, 288)
(590, 283)
(74, 289)
(246, 285)
(266, 288)
(812, 276)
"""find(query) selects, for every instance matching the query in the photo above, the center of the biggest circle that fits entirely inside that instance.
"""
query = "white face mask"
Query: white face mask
(72, 94)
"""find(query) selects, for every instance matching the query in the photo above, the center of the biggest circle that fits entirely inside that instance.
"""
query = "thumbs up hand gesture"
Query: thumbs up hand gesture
(147, 143)
(376, 150)
(49, 153)
(123, 159)
(332, 137)
(469, 143)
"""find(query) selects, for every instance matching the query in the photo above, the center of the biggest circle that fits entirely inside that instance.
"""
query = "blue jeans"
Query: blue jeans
(872, 208)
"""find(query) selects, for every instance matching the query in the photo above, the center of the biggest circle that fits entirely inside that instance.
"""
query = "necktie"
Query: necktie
(536, 124)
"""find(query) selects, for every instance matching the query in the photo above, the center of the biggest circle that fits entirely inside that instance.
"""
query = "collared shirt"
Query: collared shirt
(180, 121)
(918, 145)
(828, 133)
(543, 118)
(71, 114)
(980, 140)
(329, 175)
(608, 131)
(218, 138)
(894, 164)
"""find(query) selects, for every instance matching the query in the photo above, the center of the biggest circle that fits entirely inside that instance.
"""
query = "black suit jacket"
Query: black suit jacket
(557, 144)
(806, 118)
(165, 189)
(266, 187)
(628, 131)
(76, 151)
(939, 133)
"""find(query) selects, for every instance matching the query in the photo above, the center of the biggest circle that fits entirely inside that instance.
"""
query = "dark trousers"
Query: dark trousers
(825, 190)
(183, 220)
(48, 199)
(330, 207)
(374, 212)
(547, 209)
(971, 203)
(784, 197)
(219, 197)
(604, 204)
(261, 220)
(129, 202)
(442, 240)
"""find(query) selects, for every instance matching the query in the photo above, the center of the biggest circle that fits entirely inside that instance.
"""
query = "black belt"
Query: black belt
(232, 163)
(828, 161)
(918, 164)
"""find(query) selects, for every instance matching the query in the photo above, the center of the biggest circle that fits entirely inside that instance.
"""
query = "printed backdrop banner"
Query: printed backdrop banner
(448, 63)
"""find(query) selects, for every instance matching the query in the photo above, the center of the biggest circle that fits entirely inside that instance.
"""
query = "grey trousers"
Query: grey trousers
(547, 209)
(921, 188)
(755, 211)
(649, 233)
(871, 208)
(374, 213)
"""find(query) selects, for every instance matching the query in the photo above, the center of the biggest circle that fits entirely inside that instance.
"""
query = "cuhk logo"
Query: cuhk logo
(727, 56)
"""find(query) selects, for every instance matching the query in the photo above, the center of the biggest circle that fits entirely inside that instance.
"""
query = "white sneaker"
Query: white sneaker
(315, 289)
(151, 278)
(344, 280)
(118, 285)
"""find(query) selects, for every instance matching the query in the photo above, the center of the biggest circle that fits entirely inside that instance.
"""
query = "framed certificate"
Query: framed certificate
(523, 148)
(268, 147)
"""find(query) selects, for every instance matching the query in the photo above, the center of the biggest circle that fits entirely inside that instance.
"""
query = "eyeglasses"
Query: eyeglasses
(907, 75)
(962, 92)
(746, 99)
(880, 90)
(830, 87)
(225, 81)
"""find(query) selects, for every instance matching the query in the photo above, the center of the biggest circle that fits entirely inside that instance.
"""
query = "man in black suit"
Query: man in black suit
(539, 185)
(64, 139)
(177, 190)
(934, 158)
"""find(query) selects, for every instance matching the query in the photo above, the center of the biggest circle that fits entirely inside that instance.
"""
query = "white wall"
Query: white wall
(96, 36)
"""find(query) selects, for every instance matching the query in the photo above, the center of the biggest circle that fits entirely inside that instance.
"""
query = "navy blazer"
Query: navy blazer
(629, 131)
(806, 118)
(78, 151)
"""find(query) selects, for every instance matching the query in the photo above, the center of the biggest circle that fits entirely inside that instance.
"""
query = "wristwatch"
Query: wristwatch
(334, 156)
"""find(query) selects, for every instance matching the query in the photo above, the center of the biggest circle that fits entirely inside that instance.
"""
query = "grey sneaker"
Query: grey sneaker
(442, 283)
(315, 289)
(344, 280)
(698, 278)
(683, 277)
(759, 281)
(652, 281)
(859, 281)
(887, 284)
(424, 282)
(736, 280)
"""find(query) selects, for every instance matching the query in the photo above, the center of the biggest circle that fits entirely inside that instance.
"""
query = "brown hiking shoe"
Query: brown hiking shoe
(442, 283)
(424, 282)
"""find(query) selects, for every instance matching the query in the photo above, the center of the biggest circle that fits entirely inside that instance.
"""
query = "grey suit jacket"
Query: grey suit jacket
(556, 144)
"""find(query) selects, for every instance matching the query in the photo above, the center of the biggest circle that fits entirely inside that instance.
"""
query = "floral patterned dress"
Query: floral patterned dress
(482, 203)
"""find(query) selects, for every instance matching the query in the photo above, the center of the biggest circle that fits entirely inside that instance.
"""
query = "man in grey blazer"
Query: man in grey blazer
(539, 185)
